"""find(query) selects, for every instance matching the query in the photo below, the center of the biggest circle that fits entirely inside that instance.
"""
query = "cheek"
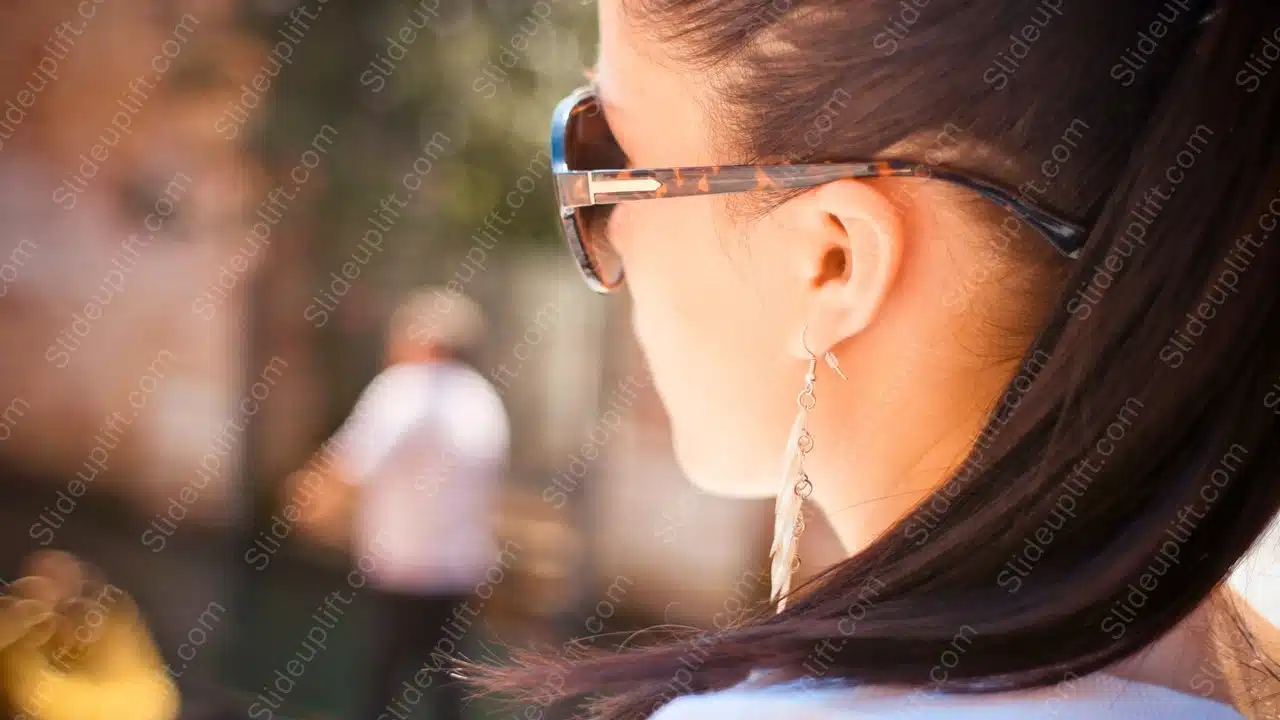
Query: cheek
(709, 342)
(682, 302)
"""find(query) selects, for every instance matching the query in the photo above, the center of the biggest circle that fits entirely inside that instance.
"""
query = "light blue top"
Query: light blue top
(1096, 697)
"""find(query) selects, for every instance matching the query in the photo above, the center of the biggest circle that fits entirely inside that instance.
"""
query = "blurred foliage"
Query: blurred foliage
(440, 85)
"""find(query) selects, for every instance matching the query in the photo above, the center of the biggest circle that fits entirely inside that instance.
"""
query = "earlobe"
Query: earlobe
(857, 264)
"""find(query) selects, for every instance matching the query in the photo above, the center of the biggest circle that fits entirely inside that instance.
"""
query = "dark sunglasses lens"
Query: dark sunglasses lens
(590, 145)
(593, 229)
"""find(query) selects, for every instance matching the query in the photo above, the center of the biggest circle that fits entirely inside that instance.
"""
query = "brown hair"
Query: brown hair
(1136, 450)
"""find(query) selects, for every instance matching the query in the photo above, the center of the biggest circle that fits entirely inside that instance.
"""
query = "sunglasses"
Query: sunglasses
(586, 161)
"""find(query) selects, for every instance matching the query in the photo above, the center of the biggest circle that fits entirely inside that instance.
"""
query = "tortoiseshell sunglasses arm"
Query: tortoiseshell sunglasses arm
(582, 188)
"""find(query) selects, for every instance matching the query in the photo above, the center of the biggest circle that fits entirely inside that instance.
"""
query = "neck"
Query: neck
(416, 355)
(896, 470)
(1224, 651)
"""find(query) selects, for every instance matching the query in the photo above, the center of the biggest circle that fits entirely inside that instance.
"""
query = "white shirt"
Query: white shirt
(427, 443)
(1096, 697)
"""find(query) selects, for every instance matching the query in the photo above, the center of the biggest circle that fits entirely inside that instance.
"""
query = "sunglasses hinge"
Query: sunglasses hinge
(615, 186)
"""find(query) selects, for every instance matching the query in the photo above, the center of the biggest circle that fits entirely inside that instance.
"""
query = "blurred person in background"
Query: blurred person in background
(1034, 392)
(417, 467)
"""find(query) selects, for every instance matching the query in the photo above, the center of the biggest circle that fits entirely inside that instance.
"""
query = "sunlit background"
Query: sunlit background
(197, 263)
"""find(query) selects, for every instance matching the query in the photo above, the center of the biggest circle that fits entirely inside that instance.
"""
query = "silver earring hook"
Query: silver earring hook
(828, 356)
(803, 343)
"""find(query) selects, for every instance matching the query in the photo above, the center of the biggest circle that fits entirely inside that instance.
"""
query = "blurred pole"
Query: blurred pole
(248, 497)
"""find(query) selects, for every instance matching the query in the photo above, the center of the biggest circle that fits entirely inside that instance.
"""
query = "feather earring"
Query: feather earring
(788, 521)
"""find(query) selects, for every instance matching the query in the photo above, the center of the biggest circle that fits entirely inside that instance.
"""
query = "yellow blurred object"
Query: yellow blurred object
(75, 648)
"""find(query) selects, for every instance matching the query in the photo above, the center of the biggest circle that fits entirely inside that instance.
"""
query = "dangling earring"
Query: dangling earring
(788, 520)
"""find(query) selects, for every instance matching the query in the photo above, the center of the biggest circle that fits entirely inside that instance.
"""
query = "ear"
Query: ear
(852, 267)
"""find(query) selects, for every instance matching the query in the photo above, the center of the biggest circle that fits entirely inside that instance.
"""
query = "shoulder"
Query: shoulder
(469, 404)
(458, 387)
(469, 380)
(395, 384)
(437, 384)
(1094, 698)
(401, 376)
(399, 389)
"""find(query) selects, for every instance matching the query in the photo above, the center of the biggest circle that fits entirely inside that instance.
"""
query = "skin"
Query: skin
(860, 268)
(723, 309)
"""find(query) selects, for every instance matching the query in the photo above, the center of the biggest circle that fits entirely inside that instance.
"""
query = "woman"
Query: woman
(1045, 426)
